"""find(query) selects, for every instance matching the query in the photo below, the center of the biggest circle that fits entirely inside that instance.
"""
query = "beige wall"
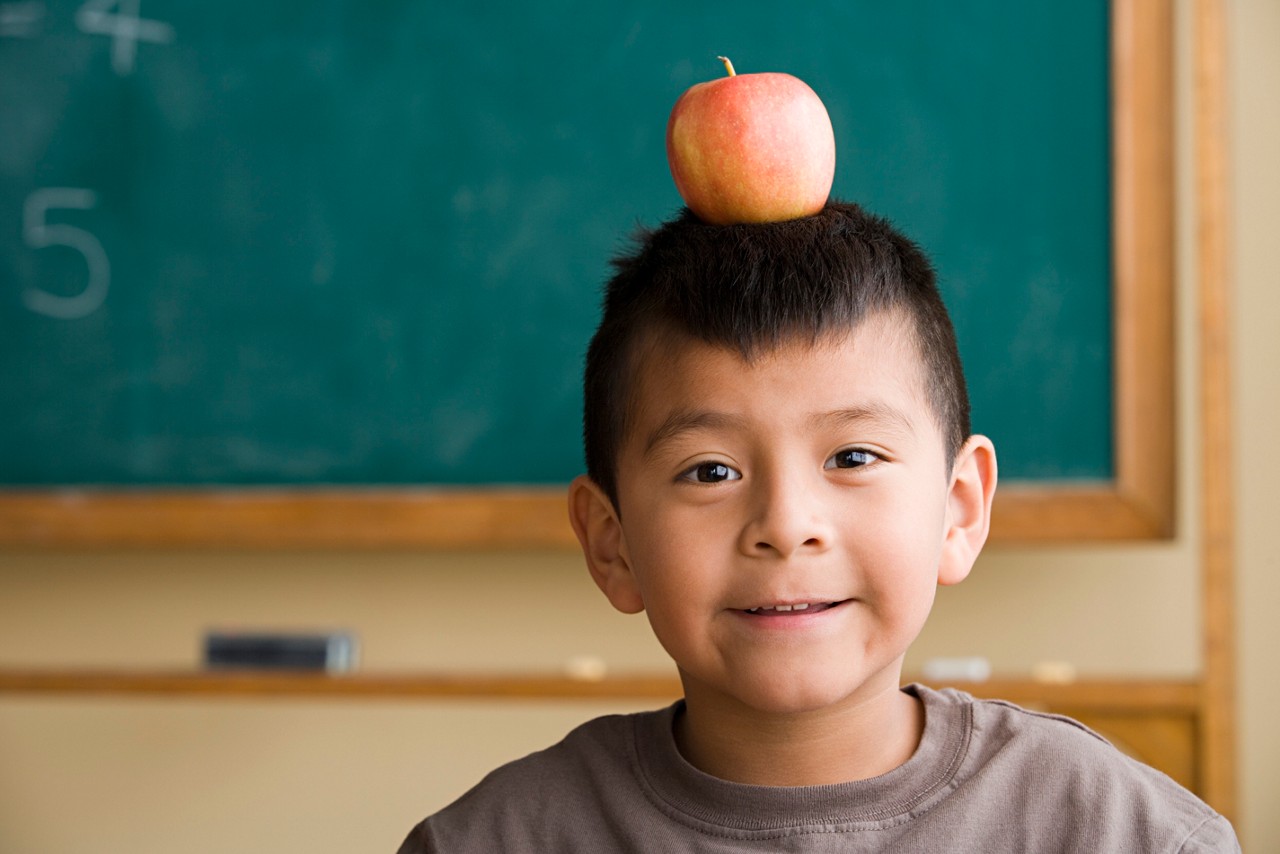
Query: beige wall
(1256, 76)
(216, 775)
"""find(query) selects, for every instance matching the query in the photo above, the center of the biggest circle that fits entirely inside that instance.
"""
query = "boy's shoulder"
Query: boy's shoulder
(1050, 749)
(527, 803)
(988, 775)
(1061, 778)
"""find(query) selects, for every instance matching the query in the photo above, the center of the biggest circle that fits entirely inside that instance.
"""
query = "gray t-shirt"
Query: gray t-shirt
(987, 777)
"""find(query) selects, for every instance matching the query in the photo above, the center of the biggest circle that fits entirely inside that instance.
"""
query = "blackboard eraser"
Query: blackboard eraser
(331, 652)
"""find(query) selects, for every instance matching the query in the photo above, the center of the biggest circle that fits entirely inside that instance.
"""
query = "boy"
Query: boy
(780, 473)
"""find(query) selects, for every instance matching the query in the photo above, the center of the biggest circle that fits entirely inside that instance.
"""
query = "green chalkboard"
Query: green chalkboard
(362, 243)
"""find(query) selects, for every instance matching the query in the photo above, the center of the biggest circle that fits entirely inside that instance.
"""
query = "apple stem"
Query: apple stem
(728, 66)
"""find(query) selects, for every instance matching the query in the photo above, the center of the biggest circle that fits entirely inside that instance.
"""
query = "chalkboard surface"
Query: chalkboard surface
(340, 243)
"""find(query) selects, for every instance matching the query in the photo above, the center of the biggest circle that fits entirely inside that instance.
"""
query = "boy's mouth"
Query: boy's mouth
(798, 608)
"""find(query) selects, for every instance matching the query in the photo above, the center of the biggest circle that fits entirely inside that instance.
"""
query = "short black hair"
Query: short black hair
(753, 287)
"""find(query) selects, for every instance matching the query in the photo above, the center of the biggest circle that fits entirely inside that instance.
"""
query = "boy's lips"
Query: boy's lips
(784, 609)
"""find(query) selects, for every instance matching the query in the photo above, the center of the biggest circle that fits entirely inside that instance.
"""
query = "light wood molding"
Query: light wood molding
(1217, 503)
(244, 683)
(1113, 696)
(1143, 302)
(271, 518)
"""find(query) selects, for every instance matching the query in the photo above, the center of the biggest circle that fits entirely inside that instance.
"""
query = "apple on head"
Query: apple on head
(751, 148)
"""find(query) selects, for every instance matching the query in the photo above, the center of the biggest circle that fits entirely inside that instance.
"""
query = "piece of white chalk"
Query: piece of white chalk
(1054, 672)
(969, 669)
(586, 668)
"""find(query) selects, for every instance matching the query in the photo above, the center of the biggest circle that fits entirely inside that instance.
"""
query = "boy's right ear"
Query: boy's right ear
(604, 545)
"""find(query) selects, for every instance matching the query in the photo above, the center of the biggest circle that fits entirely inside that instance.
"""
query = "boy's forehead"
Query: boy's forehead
(877, 357)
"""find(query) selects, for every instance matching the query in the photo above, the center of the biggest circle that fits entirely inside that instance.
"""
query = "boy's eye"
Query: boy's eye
(850, 458)
(711, 473)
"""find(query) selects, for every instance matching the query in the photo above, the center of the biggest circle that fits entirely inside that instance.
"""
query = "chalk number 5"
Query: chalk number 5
(39, 234)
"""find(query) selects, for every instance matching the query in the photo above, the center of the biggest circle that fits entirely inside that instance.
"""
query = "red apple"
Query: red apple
(751, 148)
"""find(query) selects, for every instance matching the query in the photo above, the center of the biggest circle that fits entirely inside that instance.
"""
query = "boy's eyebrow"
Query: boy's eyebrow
(684, 420)
(877, 415)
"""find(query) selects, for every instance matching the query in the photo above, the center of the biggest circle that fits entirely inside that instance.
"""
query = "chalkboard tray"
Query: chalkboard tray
(169, 343)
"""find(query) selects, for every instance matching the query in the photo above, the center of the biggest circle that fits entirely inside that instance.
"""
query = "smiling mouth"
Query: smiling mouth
(787, 610)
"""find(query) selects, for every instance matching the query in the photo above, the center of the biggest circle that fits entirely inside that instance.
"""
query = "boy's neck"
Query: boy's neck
(857, 740)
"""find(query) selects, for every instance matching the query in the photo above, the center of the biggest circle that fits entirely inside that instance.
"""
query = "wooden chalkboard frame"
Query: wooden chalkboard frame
(1138, 503)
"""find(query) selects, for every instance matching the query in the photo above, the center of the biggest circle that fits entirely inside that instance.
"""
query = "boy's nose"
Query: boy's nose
(787, 517)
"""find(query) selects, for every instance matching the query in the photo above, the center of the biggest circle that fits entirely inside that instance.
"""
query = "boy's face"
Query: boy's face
(785, 522)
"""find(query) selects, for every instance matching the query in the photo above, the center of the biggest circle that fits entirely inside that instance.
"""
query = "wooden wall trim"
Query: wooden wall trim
(274, 518)
(1098, 695)
(1143, 223)
(1217, 503)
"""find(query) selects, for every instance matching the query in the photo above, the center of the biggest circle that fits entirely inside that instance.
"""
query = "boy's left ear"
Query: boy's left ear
(973, 485)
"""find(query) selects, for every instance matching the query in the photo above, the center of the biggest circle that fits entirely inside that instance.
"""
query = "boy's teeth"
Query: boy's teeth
(803, 607)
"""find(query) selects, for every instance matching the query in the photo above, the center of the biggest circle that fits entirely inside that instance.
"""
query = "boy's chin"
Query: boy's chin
(788, 697)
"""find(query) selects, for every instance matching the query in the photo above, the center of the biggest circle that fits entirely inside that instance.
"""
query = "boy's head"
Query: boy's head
(752, 288)
(780, 466)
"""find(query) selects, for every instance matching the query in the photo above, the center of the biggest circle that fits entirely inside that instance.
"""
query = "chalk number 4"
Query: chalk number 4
(39, 234)
(124, 26)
